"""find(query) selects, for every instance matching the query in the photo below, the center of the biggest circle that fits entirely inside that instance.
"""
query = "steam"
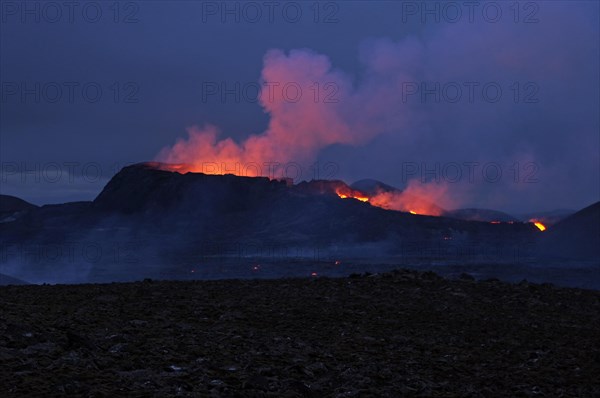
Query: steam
(301, 125)
(311, 106)
(307, 101)
(420, 198)
(377, 112)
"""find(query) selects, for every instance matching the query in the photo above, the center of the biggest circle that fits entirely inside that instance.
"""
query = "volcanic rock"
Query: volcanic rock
(406, 334)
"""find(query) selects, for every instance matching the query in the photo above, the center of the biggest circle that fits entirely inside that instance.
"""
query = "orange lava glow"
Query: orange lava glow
(345, 193)
(392, 201)
(539, 225)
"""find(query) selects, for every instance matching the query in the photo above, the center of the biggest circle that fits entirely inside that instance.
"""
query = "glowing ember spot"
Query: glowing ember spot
(412, 212)
(337, 262)
(540, 226)
(313, 274)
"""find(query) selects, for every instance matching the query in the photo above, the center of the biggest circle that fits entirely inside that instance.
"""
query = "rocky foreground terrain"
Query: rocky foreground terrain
(397, 334)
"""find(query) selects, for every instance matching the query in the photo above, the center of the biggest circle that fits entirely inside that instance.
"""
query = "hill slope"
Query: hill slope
(577, 236)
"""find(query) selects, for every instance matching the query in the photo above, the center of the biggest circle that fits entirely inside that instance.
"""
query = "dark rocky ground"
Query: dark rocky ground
(397, 334)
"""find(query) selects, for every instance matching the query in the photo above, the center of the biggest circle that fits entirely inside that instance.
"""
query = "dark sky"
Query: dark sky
(154, 60)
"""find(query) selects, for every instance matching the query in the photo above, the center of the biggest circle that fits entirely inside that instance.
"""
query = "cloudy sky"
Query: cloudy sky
(497, 102)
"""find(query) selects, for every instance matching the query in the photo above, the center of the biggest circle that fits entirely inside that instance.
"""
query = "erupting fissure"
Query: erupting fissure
(411, 200)
(298, 131)
(414, 199)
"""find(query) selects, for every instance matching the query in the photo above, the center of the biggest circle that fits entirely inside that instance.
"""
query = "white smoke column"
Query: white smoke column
(311, 107)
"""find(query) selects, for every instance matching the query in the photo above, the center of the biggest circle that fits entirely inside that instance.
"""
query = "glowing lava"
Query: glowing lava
(349, 193)
(539, 225)
(412, 212)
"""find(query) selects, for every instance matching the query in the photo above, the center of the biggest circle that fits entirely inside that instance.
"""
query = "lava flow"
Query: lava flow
(346, 193)
(538, 224)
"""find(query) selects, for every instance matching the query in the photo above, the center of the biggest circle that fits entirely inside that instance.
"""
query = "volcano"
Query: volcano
(149, 221)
